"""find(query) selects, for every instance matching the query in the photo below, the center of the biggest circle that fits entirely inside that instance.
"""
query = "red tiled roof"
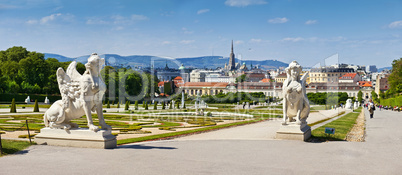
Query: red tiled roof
(205, 84)
(365, 83)
(266, 80)
(178, 78)
(348, 76)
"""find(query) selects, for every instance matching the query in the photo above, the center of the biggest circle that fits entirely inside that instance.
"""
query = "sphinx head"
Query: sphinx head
(294, 70)
(95, 62)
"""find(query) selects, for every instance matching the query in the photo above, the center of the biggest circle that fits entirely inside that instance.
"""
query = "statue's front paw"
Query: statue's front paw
(107, 127)
(93, 128)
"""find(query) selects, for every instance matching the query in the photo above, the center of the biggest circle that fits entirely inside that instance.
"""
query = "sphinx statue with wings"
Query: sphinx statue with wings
(80, 95)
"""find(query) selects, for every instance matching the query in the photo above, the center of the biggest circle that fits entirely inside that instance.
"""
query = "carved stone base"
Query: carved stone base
(82, 138)
(293, 132)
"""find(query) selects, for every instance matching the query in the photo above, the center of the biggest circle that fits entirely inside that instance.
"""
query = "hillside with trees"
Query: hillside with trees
(23, 71)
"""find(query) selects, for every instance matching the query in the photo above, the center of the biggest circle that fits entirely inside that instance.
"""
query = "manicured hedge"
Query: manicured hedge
(392, 101)
(6, 98)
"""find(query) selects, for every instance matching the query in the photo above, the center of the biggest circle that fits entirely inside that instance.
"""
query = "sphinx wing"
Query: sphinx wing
(64, 83)
(72, 71)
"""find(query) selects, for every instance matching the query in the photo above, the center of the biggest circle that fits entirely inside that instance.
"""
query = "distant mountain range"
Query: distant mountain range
(210, 62)
(381, 69)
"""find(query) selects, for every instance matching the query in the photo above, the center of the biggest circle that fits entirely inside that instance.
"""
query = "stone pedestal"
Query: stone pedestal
(293, 132)
(82, 138)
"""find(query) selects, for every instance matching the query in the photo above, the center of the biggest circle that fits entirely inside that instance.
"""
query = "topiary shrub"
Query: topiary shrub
(184, 106)
(146, 105)
(163, 105)
(170, 105)
(36, 106)
(13, 108)
(108, 104)
(209, 114)
(178, 105)
(136, 105)
(118, 104)
(127, 105)
(155, 105)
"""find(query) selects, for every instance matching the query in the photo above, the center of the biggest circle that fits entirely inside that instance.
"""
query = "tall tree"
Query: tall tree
(395, 78)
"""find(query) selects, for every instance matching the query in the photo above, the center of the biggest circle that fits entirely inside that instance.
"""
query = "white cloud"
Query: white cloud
(3, 6)
(244, 3)
(238, 42)
(47, 19)
(96, 21)
(186, 31)
(139, 17)
(202, 11)
(118, 19)
(278, 20)
(52, 17)
(253, 40)
(293, 39)
(308, 22)
(187, 41)
(32, 21)
(166, 42)
(395, 24)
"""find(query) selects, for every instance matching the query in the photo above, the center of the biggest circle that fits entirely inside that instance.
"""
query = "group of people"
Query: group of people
(395, 108)
(371, 107)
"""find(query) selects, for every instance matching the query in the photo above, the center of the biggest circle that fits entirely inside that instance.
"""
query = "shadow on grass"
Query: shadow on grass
(9, 151)
(315, 139)
(143, 147)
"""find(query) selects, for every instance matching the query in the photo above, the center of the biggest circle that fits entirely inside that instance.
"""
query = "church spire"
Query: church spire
(232, 46)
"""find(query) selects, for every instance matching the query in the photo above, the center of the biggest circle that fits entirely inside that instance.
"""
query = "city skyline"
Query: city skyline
(361, 32)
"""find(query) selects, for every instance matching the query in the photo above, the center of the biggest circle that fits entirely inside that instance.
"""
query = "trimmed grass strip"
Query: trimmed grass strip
(166, 136)
(12, 146)
(342, 127)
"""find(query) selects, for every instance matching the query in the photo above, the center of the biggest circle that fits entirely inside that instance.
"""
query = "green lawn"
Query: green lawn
(173, 134)
(11, 146)
(342, 126)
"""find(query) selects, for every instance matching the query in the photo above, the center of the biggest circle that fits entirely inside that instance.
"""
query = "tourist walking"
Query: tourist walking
(371, 108)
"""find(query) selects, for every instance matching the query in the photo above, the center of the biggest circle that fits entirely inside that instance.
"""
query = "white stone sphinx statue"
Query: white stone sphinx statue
(80, 94)
(296, 107)
(348, 104)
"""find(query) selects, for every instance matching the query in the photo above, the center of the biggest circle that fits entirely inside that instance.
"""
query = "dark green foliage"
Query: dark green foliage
(331, 98)
(118, 104)
(360, 96)
(21, 97)
(136, 105)
(234, 97)
(36, 106)
(177, 105)
(13, 108)
(155, 105)
(108, 104)
(146, 105)
(395, 79)
(163, 105)
(184, 106)
(170, 105)
(127, 105)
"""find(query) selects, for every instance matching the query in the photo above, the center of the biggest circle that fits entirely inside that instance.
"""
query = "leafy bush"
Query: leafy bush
(108, 104)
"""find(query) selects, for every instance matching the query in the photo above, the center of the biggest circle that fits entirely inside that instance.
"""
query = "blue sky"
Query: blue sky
(361, 32)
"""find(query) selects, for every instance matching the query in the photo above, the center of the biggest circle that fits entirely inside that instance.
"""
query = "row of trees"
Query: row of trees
(235, 97)
(331, 98)
(394, 80)
(23, 71)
